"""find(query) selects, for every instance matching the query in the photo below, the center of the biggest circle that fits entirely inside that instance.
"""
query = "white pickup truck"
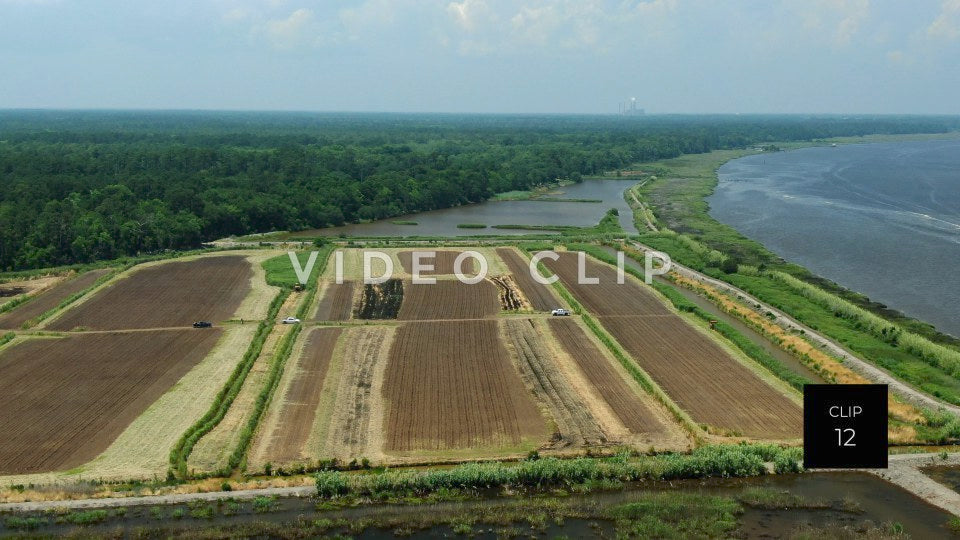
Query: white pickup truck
(560, 312)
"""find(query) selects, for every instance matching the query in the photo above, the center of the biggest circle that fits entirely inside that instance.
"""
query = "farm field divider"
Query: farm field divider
(635, 371)
(181, 451)
(698, 370)
(28, 311)
(756, 353)
(221, 404)
(239, 456)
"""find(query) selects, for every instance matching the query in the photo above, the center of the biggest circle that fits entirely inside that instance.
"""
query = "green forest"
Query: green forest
(80, 186)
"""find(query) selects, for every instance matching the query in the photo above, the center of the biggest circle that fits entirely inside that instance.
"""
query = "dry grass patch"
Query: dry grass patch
(350, 424)
(257, 303)
(213, 450)
(574, 424)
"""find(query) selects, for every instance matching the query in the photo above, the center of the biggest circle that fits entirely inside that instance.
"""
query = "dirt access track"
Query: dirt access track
(64, 400)
(698, 374)
(165, 295)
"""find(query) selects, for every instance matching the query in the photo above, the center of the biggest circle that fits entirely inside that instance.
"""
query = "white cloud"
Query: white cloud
(469, 14)
(291, 31)
(947, 24)
(487, 26)
(839, 19)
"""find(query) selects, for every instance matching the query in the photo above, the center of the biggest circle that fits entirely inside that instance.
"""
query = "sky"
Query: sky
(486, 56)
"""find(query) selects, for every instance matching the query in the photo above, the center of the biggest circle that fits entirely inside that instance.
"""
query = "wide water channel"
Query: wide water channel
(854, 499)
(882, 219)
(543, 212)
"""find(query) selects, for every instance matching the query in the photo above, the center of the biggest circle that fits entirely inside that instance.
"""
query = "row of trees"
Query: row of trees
(76, 187)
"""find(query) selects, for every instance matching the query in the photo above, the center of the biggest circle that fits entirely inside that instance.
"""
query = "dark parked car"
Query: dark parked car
(202, 324)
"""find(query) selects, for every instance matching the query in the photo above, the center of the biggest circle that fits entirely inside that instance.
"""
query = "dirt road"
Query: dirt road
(867, 370)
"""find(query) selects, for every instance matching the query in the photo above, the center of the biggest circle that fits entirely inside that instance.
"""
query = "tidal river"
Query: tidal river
(882, 219)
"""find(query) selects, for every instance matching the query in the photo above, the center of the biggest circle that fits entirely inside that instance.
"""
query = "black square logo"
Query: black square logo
(845, 425)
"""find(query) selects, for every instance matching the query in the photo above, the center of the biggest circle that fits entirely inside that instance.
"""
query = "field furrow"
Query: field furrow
(165, 295)
(49, 299)
(337, 302)
(694, 370)
(451, 385)
(541, 296)
(535, 360)
(65, 400)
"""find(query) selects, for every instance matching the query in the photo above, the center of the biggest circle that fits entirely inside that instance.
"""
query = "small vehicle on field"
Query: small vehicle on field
(202, 324)
(560, 312)
(291, 320)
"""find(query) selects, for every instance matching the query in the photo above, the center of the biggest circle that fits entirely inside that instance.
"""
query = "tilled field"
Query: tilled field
(337, 302)
(449, 299)
(541, 296)
(451, 385)
(442, 262)
(49, 299)
(702, 378)
(64, 400)
(606, 297)
(622, 399)
(165, 295)
(535, 362)
(299, 406)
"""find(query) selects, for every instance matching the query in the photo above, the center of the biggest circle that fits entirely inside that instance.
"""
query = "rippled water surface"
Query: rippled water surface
(882, 219)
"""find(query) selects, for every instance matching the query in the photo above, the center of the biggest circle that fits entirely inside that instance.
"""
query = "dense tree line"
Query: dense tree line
(81, 186)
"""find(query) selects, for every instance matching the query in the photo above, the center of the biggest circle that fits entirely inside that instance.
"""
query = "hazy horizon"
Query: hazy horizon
(815, 57)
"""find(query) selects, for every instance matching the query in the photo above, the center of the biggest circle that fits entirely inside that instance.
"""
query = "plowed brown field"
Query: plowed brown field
(442, 262)
(702, 378)
(541, 296)
(300, 403)
(449, 299)
(166, 295)
(537, 365)
(49, 299)
(622, 399)
(451, 385)
(337, 302)
(65, 400)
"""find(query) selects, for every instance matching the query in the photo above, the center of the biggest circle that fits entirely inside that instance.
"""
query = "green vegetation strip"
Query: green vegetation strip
(280, 356)
(221, 403)
(6, 338)
(471, 226)
(910, 349)
(708, 461)
(751, 349)
(277, 363)
(15, 302)
(628, 364)
(934, 354)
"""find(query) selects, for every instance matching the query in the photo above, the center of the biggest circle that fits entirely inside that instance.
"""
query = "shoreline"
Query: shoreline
(852, 276)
